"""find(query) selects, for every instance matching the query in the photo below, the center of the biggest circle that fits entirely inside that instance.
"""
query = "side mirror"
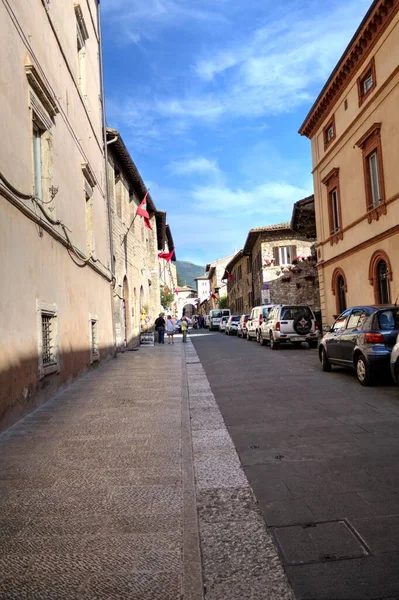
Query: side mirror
(327, 329)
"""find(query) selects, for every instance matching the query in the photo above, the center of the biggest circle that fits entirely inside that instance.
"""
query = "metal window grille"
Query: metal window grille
(94, 339)
(48, 346)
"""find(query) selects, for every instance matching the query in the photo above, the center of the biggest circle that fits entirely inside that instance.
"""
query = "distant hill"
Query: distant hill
(188, 271)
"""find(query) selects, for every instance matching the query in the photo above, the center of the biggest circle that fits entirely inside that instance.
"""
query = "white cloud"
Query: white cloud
(139, 19)
(194, 165)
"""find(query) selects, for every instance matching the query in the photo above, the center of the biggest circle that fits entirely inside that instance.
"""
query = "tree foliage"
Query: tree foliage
(223, 302)
(166, 298)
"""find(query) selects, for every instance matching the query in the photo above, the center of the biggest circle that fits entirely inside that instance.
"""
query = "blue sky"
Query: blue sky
(209, 95)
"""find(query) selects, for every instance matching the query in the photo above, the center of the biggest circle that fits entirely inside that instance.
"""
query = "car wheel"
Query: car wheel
(273, 344)
(262, 341)
(325, 363)
(363, 371)
(248, 336)
(312, 344)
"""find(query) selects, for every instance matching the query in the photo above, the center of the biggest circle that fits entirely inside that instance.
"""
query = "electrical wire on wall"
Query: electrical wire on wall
(71, 248)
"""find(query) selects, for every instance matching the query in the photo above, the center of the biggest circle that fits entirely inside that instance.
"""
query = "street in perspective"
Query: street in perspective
(199, 310)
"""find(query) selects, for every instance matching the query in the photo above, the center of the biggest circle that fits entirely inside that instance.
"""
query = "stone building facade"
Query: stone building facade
(354, 131)
(56, 280)
(137, 268)
(282, 266)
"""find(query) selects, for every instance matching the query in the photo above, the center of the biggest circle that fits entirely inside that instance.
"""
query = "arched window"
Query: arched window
(380, 274)
(341, 298)
(383, 282)
(339, 289)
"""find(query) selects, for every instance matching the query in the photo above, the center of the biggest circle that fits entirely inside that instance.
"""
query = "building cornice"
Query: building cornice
(357, 52)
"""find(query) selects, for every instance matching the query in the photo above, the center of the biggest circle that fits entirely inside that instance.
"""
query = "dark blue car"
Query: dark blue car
(362, 339)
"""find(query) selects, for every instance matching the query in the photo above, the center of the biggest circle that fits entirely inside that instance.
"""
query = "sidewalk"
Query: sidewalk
(127, 486)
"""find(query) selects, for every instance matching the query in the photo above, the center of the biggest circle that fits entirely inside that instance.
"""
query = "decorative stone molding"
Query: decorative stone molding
(89, 174)
(41, 88)
(338, 272)
(81, 23)
(358, 52)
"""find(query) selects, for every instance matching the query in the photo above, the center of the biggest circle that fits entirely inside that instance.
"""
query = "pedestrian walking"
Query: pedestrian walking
(170, 330)
(160, 328)
(184, 328)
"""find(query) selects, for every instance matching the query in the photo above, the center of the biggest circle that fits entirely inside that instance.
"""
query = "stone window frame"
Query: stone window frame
(82, 35)
(370, 143)
(377, 256)
(44, 308)
(367, 72)
(43, 108)
(331, 182)
(330, 125)
(89, 182)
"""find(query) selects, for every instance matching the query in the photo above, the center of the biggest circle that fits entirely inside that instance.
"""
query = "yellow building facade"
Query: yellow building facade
(354, 131)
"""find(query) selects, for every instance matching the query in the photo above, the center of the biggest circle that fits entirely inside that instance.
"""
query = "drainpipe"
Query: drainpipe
(111, 244)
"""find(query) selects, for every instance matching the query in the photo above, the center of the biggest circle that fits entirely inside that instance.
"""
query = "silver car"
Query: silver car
(290, 323)
(395, 361)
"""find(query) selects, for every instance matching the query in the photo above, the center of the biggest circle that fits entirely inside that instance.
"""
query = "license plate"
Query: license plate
(298, 339)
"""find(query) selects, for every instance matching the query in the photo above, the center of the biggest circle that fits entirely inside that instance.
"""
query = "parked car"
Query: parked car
(257, 316)
(232, 324)
(395, 361)
(362, 338)
(290, 323)
(223, 323)
(215, 315)
(207, 321)
(242, 326)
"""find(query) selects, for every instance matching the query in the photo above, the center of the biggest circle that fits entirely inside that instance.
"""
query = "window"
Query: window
(356, 320)
(339, 289)
(370, 144)
(335, 223)
(47, 339)
(341, 294)
(329, 132)
(89, 183)
(340, 323)
(37, 159)
(380, 276)
(81, 37)
(249, 265)
(94, 348)
(384, 296)
(373, 172)
(331, 181)
(366, 82)
(239, 273)
(284, 255)
(389, 319)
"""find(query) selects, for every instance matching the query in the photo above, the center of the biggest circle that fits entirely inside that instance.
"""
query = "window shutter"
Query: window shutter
(276, 257)
(293, 253)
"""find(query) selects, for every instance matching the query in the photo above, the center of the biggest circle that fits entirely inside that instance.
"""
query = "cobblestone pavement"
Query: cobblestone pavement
(127, 486)
(321, 453)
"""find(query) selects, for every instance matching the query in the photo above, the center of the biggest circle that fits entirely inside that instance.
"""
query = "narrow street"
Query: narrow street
(321, 454)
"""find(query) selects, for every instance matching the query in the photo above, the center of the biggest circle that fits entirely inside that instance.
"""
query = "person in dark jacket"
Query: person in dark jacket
(160, 328)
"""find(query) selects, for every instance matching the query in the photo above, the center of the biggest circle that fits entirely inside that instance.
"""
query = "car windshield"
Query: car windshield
(291, 313)
(235, 319)
(389, 319)
(266, 311)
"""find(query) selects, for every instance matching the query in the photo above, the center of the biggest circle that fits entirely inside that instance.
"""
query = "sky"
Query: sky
(209, 95)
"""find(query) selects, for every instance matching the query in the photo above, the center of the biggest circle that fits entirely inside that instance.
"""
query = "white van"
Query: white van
(215, 315)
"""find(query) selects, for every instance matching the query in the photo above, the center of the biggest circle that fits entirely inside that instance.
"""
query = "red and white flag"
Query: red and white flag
(143, 212)
(230, 276)
(166, 255)
(214, 296)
